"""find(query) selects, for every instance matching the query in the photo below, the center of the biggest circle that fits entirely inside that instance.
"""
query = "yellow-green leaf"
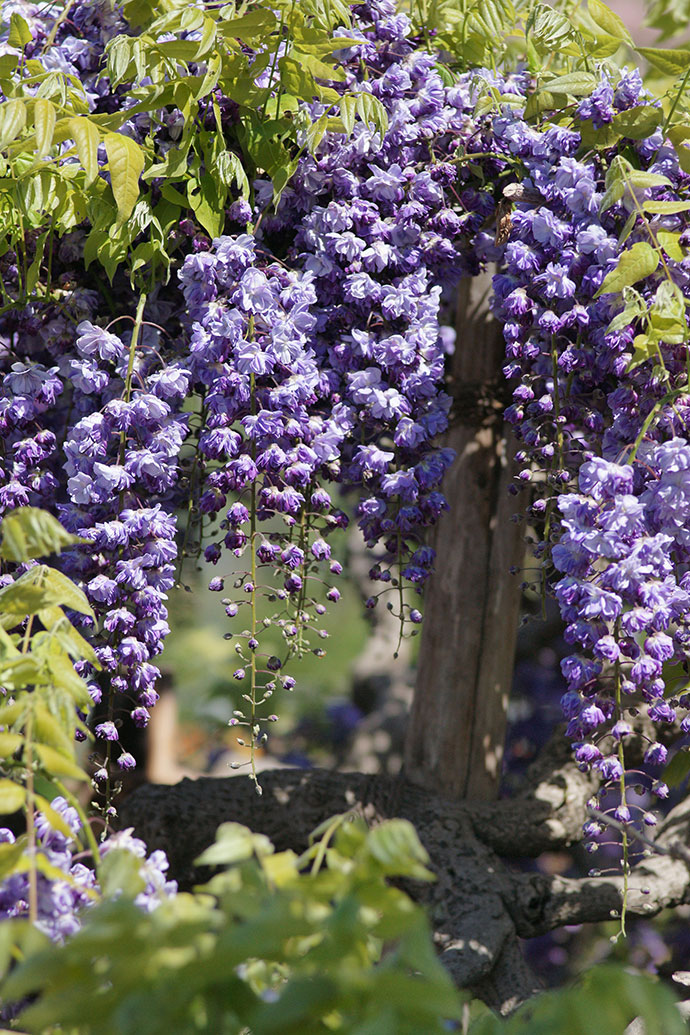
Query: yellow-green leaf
(49, 731)
(12, 121)
(281, 869)
(637, 123)
(12, 712)
(317, 67)
(9, 742)
(44, 125)
(11, 854)
(348, 105)
(670, 243)
(643, 349)
(667, 208)
(576, 84)
(28, 533)
(678, 135)
(57, 764)
(60, 627)
(12, 797)
(87, 139)
(635, 264)
(20, 672)
(41, 587)
(606, 19)
(670, 62)
(126, 163)
(20, 33)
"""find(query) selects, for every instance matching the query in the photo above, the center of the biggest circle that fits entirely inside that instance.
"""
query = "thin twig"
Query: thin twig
(675, 850)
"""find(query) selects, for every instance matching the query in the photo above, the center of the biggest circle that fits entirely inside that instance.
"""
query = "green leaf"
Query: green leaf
(577, 84)
(20, 33)
(371, 110)
(87, 138)
(611, 195)
(319, 69)
(315, 133)
(296, 80)
(9, 743)
(548, 28)
(72, 642)
(207, 38)
(396, 846)
(671, 245)
(60, 671)
(635, 264)
(667, 208)
(11, 855)
(48, 728)
(12, 797)
(628, 228)
(670, 62)
(637, 123)
(33, 272)
(12, 121)
(57, 764)
(599, 138)
(18, 673)
(281, 177)
(233, 844)
(44, 125)
(544, 100)
(41, 587)
(606, 19)
(348, 106)
(231, 172)
(11, 713)
(119, 55)
(119, 874)
(644, 348)
(126, 163)
(208, 203)
(678, 136)
(28, 533)
(644, 180)
(254, 25)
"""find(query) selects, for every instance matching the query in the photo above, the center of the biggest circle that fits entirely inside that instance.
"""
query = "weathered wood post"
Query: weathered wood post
(457, 725)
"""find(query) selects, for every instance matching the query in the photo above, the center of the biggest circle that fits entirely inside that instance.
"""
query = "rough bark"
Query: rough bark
(479, 906)
(457, 724)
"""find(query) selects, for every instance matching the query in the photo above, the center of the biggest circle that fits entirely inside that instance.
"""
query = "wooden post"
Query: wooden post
(457, 726)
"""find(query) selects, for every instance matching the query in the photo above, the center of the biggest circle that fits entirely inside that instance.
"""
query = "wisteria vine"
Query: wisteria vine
(302, 351)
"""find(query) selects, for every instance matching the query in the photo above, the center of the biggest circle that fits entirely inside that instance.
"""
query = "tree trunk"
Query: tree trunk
(457, 726)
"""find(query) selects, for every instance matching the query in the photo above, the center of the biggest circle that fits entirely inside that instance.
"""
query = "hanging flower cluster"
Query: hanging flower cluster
(600, 408)
(60, 901)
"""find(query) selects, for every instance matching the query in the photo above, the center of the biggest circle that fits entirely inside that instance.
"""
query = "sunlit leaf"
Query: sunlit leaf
(20, 33)
(609, 21)
(12, 120)
(12, 798)
(670, 62)
(28, 533)
(58, 764)
(44, 124)
(87, 138)
(126, 163)
(635, 264)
